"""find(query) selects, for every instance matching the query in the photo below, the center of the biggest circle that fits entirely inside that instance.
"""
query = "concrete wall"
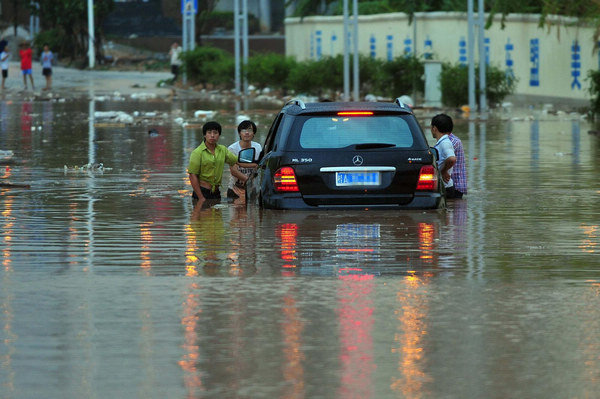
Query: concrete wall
(548, 62)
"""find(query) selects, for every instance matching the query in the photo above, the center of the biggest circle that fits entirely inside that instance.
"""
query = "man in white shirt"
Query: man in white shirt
(441, 126)
(246, 130)
(176, 62)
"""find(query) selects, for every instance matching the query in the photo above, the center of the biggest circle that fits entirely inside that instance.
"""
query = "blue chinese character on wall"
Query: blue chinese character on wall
(462, 51)
(333, 40)
(509, 48)
(319, 41)
(428, 45)
(486, 42)
(389, 47)
(372, 46)
(407, 46)
(575, 65)
(534, 57)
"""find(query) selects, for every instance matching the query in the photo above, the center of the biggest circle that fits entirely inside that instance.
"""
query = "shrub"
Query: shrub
(269, 70)
(56, 40)
(594, 90)
(402, 75)
(207, 64)
(454, 82)
(323, 77)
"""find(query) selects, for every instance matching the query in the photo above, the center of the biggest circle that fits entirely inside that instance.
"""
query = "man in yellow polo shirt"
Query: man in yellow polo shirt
(207, 162)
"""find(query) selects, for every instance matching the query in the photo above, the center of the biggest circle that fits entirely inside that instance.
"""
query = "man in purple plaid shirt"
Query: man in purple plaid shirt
(459, 172)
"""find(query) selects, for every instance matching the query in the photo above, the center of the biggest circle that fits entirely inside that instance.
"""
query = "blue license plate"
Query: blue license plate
(357, 179)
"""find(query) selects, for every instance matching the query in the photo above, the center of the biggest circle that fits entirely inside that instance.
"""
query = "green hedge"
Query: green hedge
(594, 90)
(325, 78)
(454, 83)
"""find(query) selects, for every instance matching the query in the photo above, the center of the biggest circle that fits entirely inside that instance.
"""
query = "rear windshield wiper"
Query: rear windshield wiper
(365, 146)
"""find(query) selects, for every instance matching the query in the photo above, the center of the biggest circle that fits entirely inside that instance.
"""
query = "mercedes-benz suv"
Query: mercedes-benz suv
(348, 155)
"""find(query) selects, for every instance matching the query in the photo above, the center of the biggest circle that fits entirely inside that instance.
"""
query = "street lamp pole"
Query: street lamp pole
(91, 46)
(355, 48)
(346, 55)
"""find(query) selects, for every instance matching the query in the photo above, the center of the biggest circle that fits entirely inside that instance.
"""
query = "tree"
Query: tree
(65, 26)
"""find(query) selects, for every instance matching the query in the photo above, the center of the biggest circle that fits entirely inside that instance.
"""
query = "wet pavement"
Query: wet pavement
(113, 285)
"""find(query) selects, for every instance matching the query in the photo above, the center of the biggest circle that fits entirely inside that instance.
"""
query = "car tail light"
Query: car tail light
(428, 180)
(285, 180)
(355, 113)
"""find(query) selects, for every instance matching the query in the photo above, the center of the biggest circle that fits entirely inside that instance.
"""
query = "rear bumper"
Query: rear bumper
(418, 201)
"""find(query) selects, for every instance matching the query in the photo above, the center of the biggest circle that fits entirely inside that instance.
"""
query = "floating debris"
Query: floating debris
(4, 184)
(90, 167)
(204, 115)
(143, 96)
(114, 116)
(6, 155)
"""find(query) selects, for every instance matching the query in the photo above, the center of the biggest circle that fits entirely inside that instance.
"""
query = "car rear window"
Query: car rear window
(342, 131)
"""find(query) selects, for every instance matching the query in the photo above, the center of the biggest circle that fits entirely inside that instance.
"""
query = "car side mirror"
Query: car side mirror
(247, 155)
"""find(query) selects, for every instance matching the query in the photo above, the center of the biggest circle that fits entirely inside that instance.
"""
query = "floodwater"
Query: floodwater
(113, 286)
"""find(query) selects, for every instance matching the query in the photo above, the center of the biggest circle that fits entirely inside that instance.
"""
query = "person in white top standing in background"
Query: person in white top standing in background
(246, 130)
(4, 57)
(175, 54)
(46, 60)
(441, 126)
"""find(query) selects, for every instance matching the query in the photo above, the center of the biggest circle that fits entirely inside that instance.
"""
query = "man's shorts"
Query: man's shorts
(5, 73)
(27, 71)
(47, 71)
(208, 194)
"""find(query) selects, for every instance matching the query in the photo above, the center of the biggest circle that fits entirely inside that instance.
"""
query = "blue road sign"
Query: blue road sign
(189, 7)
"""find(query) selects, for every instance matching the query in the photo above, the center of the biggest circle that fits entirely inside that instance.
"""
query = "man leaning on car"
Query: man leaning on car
(441, 126)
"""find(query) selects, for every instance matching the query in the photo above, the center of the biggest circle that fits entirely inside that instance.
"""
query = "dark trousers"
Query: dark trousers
(452, 193)
(208, 194)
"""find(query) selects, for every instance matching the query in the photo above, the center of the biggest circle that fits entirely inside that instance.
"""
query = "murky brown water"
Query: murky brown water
(112, 285)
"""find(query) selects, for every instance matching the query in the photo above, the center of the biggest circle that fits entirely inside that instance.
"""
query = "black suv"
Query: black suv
(348, 155)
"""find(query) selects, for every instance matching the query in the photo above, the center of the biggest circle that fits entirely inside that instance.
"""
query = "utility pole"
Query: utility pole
(189, 8)
(482, 64)
(243, 17)
(471, 55)
(91, 39)
(355, 42)
(346, 56)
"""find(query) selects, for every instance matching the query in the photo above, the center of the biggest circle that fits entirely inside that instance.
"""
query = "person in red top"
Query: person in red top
(26, 54)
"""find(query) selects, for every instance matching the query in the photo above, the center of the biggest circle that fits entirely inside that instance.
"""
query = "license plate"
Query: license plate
(357, 179)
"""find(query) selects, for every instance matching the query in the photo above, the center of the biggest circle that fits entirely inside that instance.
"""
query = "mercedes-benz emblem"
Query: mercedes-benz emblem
(357, 160)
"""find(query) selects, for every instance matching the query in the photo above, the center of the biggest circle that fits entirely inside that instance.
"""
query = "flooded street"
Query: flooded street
(113, 286)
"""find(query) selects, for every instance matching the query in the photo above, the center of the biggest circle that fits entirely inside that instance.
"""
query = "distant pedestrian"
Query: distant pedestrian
(26, 55)
(175, 54)
(4, 57)
(3, 44)
(46, 60)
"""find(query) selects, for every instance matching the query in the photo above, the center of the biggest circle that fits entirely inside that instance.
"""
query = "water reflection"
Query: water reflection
(409, 339)
(106, 275)
(206, 240)
(190, 322)
(7, 297)
(356, 320)
(292, 329)
(535, 144)
(575, 141)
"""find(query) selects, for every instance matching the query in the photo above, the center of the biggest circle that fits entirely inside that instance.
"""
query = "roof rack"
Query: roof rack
(297, 102)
